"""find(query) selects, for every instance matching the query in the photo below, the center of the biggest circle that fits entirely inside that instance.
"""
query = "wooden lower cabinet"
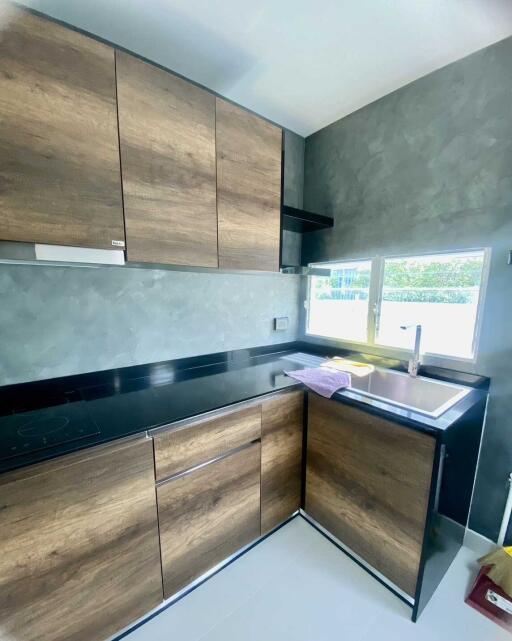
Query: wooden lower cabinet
(208, 514)
(368, 482)
(79, 552)
(281, 457)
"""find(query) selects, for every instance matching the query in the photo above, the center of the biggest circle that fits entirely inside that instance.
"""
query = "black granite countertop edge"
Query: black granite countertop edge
(413, 420)
(48, 454)
(124, 406)
(13, 397)
(42, 393)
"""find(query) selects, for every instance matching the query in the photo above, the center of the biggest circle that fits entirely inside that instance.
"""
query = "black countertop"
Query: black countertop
(108, 405)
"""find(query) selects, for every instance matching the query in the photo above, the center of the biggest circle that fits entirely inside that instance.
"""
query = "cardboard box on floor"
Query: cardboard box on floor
(491, 593)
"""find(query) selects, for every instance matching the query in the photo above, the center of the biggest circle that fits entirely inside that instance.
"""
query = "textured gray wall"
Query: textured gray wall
(428, 168)
(56, 321)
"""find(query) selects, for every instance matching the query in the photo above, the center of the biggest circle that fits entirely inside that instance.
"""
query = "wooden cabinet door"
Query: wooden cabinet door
(368, 482)
(79, 551)
(248, 189)
(60, 179)
(208, 514)
(281, 458)
(167, 136)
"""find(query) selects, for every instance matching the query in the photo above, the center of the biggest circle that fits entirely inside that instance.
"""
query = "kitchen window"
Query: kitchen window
(371, 301)
(339, 301)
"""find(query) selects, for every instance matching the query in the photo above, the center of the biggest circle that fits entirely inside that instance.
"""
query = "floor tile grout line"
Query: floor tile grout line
(253, 594)
(368, 622)
(229, 614)
(294, 519)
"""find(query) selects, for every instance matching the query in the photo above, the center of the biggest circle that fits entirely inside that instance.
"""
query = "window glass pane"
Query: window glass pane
(439, 292)
(338, 304)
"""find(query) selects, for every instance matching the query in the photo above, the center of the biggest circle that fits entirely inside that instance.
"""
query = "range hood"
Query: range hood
(36, 253)
(302, 221)
(296, 222)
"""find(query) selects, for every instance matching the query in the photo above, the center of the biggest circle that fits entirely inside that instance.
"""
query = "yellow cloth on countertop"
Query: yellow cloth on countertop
(346, 365)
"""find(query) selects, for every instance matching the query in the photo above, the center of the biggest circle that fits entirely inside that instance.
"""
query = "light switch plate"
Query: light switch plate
(281, 323)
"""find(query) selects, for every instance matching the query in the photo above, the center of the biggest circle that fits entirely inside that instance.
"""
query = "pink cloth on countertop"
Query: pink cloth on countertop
(322, 380)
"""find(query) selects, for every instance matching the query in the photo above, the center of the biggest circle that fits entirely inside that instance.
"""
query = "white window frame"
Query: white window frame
(374, 308)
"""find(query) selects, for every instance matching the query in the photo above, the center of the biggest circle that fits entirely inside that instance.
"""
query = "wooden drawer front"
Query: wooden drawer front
(79, 553)
(281, 458)
(184, 447)
(368, 482)
(207, 515)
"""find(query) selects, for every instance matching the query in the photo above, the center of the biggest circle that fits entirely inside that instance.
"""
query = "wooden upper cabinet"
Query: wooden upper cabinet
(59, 149)
(368, 482)
(248, 189)
(79, 551)
(167, 137)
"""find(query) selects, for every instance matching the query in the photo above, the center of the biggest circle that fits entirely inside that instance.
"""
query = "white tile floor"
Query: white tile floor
(297, 586)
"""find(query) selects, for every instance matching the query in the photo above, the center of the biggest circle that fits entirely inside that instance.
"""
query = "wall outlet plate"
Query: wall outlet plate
(281, 323)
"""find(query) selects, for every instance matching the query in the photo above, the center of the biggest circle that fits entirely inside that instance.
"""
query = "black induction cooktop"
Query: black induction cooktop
(29, 431)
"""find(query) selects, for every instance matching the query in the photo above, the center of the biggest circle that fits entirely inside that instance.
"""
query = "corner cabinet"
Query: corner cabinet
(59, 152)
(79, 551)
(167, 140)
(281, 457)
(368, 482)
(249, 151)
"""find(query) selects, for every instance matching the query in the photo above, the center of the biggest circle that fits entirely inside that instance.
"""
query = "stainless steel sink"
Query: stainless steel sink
(419, 394)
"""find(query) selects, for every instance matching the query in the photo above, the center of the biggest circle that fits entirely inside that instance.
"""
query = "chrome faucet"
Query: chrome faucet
(414, 362)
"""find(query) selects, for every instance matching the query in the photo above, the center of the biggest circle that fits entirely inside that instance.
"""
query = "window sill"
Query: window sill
(435, 360)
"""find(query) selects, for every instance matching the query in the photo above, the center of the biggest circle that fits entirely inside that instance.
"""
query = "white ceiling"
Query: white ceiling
(300, 63)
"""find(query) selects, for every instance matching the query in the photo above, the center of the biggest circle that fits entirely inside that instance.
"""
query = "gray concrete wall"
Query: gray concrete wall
(56, 321)
(429, 168)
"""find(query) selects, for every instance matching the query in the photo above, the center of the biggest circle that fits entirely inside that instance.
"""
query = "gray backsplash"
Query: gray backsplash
(56, 321)
(428, 168)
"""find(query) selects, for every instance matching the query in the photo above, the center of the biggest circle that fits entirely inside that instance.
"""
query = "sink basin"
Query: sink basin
(420, 394)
